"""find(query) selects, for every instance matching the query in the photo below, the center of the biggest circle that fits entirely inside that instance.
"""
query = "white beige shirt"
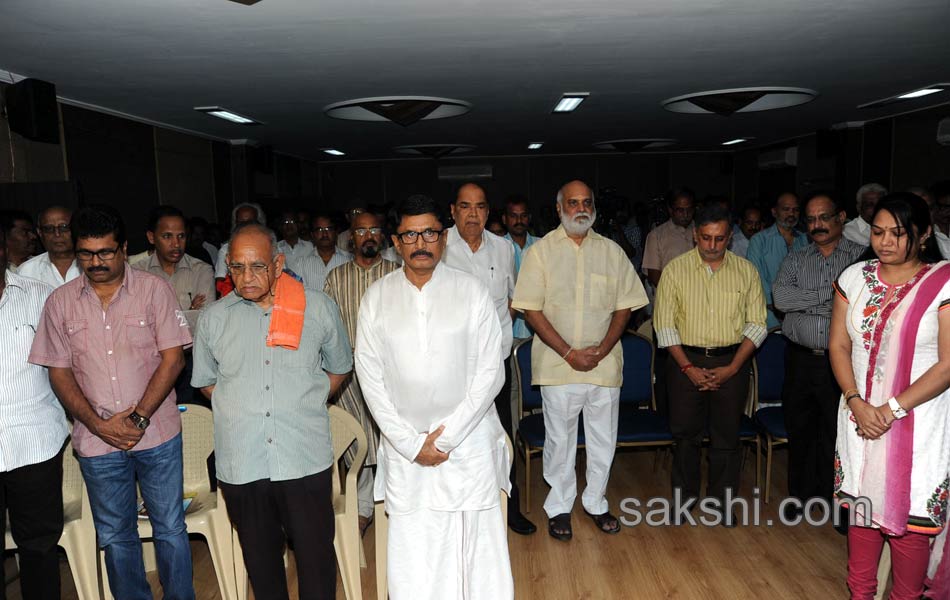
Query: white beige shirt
(578, 288)
(42, 268)
(858, 231)
(494, 265)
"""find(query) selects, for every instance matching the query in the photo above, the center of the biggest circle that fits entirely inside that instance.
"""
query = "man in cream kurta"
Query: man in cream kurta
(428, 357)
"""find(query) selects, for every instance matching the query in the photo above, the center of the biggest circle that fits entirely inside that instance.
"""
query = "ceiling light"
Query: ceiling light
(333, 152)
(919, 93)
(569, 102)
(227, 115)
(535, 145)
(402, 110)
(735, 141)
(739, 100)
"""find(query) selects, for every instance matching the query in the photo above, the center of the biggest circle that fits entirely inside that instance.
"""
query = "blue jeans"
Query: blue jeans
(110, 480)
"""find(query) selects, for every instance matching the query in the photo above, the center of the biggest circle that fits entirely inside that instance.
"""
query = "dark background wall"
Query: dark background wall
(135, 166)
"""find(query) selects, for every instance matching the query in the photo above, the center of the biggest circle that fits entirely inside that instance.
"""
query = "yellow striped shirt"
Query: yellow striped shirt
(696, 306)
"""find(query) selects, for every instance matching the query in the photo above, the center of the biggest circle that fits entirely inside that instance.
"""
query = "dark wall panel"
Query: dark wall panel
(918, 158)
(185, 173)
(113, 162)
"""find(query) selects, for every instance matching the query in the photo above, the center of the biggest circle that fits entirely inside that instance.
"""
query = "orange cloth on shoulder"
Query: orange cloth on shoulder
(286, 320)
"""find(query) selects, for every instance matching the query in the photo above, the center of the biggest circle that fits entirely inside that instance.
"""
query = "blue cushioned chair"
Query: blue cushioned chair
(638, 423)
(768, 372)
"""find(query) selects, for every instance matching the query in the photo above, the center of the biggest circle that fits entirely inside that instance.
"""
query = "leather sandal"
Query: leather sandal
(606, 522)
(559, 526)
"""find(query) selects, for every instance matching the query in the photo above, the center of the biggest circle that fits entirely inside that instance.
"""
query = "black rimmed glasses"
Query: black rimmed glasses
(428, 236)
(362, 231)
(104, 254)
(53, 229)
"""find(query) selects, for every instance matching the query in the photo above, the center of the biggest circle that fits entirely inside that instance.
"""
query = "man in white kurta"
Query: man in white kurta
(428, 358)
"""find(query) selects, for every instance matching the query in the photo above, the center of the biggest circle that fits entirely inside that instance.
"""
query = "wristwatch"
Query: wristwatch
(897, 409)
(139, 421)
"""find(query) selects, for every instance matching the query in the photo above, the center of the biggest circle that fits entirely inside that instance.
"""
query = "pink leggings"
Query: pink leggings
(910, 554)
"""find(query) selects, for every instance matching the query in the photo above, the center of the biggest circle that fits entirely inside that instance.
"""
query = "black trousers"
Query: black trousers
(33, 494)
(810, 399)
(660, 358)
(266, 514)
(503, 406)
(690, 411)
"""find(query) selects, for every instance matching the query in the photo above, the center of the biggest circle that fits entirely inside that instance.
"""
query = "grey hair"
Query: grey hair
(876, 188)
(261, 217)
(560, 194)
(258, 228)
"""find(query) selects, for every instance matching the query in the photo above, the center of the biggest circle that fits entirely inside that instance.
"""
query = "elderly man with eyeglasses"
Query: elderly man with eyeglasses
(346, 285)
(113, 341)
(429, 361)
(268, 384)
(57, 265)
(313, 269)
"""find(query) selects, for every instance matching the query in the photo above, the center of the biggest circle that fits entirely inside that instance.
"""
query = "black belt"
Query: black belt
(807, 350)
(720, 351)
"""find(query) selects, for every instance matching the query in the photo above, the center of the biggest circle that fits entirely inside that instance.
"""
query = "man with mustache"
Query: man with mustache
(429, 361)
(313, 269)
(292, 246)
(346, 285)
(268, 377)
(803, 291)
(21, 239)
(470, 247)
(577, 290)
(517, 218)
(750, 224)
(710, 315)
(769, 247)
(57, 265)
(113, 341)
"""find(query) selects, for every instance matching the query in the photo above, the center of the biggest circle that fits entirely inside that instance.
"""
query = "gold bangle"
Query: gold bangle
(848, 393)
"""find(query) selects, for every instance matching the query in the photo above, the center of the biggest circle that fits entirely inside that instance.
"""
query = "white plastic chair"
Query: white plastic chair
(79, 530)
(207, 514)
(381, 524)
(347, 542)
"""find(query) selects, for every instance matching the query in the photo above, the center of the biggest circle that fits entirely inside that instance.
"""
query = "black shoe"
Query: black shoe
(520, 524)
(844, 515)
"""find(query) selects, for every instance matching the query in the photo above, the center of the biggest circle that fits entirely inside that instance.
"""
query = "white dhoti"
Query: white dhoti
(562, 406)
(449, 555)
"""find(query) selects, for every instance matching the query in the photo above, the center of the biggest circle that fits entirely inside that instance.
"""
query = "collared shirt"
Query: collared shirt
(494, 265)
(858, 231)
(520, 328)
(696, 306)
(114, 353)
(42, 269)
(269, 403)
(803, 291)
(32, 421)
(314, 271)
(212, 251)
(191, 277)
(140, 259)
(427, 358)
(666, 242)
(294, 253)
(767, 250)
(390, 254)
(578, 288)
(221, 264)
(740, 243)
(943, 243)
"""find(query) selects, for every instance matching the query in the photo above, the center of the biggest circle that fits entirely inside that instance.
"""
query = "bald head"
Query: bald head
(262, 238)
(470, 211)
(52, 225)
(254, 263)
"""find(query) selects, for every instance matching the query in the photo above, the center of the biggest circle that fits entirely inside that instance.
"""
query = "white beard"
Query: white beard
(572, 227)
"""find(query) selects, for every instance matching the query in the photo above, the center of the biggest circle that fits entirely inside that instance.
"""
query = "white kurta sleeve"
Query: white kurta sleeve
(484, 353)
(370, 368)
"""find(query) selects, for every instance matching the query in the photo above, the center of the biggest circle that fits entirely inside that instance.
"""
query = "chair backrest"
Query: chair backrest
(530, 396)
(646, 329)
(637, 386)
(72, 477)
(769, 369)
(344, 431)
(197, 444)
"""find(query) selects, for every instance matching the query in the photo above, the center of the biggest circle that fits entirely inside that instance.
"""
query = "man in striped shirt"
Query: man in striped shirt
(803, 291)
(710, 314)
(32, 432)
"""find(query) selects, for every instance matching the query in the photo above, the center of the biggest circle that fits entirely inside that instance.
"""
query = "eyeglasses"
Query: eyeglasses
(238, 270)
(428, 236)
(324, 229)
(288, 222)
(53, 229)
(367, 231)
(826, 218)
(104, 254)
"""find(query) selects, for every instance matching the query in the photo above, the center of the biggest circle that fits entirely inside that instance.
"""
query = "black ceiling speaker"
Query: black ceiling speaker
(32, 110)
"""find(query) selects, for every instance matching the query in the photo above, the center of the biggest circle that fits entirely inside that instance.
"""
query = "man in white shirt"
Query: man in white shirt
(428, 358)
(327, 255)
(291, 246)
(471, 248)
(859, 230)
(57, 265)
(32, 432)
